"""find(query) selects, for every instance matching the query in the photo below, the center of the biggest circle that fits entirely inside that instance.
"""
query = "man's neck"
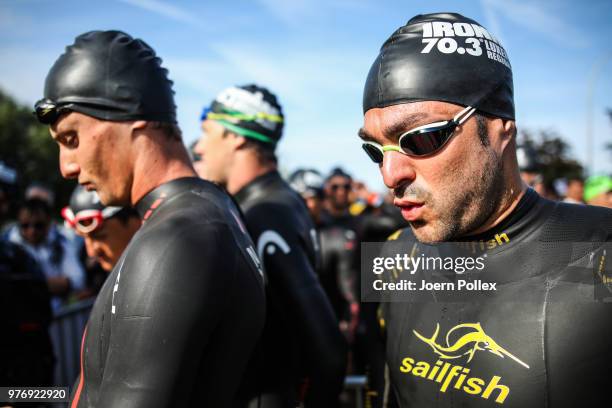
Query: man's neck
(157, 165)
(246, 169)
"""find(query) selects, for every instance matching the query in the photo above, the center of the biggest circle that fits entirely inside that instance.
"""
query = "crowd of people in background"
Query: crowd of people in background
(55, 254)
(253, 298)
(65, 256)
(74, 264)
(595, 190)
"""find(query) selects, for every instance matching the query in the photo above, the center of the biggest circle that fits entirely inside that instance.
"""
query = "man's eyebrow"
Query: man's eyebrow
(362, 133)
(393, 130)
(62, 134)
(67, 126)
(404, 124)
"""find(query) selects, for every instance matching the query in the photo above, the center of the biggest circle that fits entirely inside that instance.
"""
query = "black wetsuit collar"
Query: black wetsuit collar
(155, 197)
(258, 187)
(524, 218)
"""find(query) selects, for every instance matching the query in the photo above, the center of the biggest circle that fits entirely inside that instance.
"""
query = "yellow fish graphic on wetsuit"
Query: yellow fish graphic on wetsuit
(476, 338)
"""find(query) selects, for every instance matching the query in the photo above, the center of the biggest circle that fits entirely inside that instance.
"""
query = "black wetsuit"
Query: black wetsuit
(380, 222)
(338, 272)
(301, 339)
(371, 225)
(345, 220)
(26, 353)
(542, 339)
(178, 317)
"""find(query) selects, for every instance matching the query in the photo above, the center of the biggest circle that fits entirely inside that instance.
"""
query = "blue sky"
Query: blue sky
(315, 54)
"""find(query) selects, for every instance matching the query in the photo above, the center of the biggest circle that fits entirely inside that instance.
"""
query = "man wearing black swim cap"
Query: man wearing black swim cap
(301, 355)
(439, 122)
(179, 315)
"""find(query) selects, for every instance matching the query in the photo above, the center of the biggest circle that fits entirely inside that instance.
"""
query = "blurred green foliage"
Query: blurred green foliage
(553, 155)
(27, 146)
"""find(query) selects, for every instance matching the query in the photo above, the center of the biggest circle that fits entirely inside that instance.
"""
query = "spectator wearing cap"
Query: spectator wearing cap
(53, 252)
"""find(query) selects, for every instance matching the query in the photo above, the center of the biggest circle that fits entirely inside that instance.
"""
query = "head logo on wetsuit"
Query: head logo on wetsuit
(474, 340)
(270, 240)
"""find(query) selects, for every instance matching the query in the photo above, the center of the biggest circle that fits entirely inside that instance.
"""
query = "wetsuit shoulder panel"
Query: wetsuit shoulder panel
(177, 318)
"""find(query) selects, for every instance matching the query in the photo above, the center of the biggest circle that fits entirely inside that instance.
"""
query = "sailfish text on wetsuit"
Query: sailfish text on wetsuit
(475, 339)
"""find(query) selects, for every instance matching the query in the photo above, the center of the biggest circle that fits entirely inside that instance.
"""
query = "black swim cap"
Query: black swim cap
(111, 76)
(442, 57)
(251, 111)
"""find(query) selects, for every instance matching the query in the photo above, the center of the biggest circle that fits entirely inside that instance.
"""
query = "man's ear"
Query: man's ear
(509, 129)
(238, 141)
(139, 125)
(507, 133)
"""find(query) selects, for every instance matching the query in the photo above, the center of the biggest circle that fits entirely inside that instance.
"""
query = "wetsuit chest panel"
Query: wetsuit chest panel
(542, 341)
(450, 354)
(177, 318)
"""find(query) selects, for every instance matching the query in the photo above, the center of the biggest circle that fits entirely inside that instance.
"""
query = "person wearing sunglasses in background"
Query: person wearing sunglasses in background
(55, 253)
(181, 311)
(439, 122)
(302, 354)
(338, 194)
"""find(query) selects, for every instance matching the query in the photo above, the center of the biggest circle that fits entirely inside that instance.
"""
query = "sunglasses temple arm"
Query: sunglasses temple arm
(464, 115)
(391, 148)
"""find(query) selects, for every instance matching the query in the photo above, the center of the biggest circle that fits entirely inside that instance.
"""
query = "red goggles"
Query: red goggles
(87, 221)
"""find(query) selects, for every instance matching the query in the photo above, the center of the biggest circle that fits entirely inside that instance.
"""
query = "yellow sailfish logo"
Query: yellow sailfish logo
(467, 345)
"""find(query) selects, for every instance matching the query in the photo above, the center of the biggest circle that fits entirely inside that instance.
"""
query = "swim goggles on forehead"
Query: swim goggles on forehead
(421, 141)
(47, 111)
(86, 221)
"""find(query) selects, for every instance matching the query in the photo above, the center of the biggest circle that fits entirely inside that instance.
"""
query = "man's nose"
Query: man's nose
(200, 146)
(396, 170)
(91, 247)
(69, 167)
